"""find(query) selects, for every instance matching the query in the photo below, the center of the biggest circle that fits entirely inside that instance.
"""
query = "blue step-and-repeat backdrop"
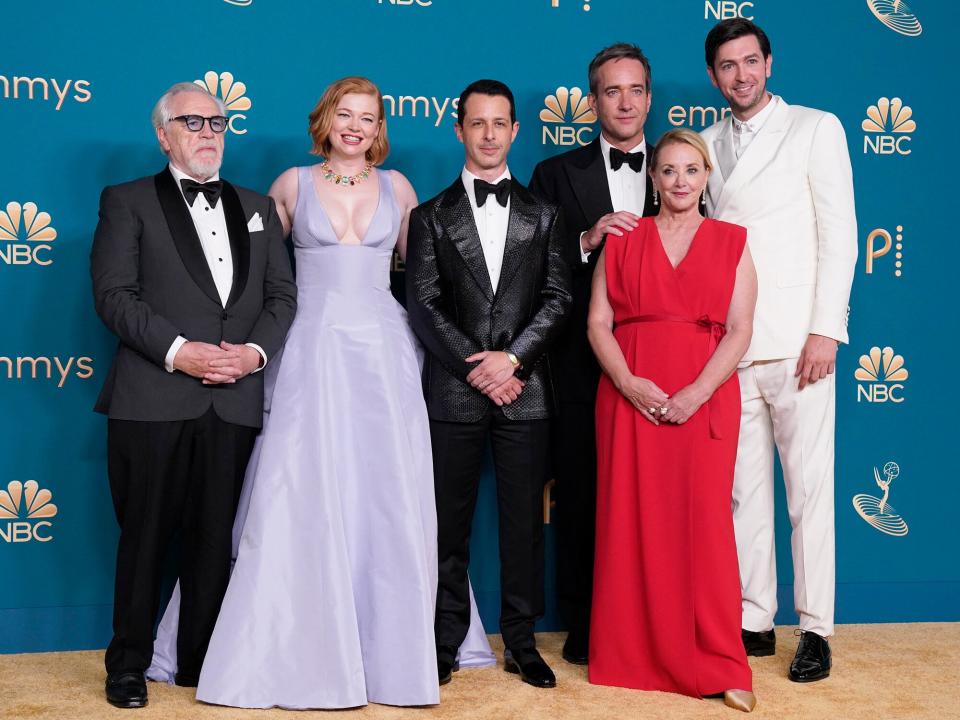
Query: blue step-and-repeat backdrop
(78, 80)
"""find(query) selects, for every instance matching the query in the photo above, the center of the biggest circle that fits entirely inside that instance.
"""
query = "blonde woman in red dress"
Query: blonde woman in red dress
(670, 317)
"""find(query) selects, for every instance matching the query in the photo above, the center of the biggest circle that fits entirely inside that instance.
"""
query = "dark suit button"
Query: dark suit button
(223, 316)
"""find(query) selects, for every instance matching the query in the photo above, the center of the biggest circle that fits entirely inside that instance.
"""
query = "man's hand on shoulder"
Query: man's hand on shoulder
(615, 223)
(817, 359)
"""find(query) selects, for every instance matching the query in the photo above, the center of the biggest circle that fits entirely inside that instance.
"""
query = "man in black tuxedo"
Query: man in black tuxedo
(192, 275)
(488, 291)
(602, 188)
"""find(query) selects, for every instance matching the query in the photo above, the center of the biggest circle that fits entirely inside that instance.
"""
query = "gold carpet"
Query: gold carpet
(881, 672)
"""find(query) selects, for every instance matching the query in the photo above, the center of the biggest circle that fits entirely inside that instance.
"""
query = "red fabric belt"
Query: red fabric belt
(716, 329)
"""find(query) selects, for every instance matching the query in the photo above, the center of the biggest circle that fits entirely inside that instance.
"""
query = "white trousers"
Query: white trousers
(800, 423)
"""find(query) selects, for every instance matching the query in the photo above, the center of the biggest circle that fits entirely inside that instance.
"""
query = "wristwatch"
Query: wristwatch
(514, 360)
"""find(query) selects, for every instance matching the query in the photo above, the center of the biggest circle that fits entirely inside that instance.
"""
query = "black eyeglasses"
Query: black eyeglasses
(194, 123)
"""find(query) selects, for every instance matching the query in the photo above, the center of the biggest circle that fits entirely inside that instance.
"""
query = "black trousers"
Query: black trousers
(167, 477)
(575, 471)
(521, 457)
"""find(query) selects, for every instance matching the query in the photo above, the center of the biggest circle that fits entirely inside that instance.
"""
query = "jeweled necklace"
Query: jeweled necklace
(338, 179)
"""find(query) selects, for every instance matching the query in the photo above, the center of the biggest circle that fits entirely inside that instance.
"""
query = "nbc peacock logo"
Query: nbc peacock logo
(563, 111)
(888, 126)
(896, 15)
(27, 509)
(25, 235)
(881, 376)
(234, 96)
(879, 513)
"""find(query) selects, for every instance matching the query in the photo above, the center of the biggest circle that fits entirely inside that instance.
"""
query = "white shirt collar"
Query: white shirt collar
(467, 178)
(754, 124)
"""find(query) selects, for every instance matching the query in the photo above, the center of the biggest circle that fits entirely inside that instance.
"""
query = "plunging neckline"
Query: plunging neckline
(666, 255)
(326, 215)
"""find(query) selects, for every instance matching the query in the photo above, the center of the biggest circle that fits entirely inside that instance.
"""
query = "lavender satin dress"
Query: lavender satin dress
(331, 601)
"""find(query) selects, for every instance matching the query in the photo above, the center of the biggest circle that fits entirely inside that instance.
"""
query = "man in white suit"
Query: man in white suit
(784, 173)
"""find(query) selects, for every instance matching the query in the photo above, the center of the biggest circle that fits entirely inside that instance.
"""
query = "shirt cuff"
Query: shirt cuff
(262, 355)
(584, 256)
(172, 352)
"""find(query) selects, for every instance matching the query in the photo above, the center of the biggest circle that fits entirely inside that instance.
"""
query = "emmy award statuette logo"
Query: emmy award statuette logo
(896, 15)
(877, 511)
(27, 509)
(234, 96)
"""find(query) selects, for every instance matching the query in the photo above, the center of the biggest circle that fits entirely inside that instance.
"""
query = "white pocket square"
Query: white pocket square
(255, 224)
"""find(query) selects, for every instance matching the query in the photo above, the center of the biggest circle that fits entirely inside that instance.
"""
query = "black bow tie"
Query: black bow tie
(619, 157)
(211, 190)
(482, 189)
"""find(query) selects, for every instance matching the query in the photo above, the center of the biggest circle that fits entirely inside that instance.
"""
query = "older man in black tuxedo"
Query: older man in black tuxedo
(191, 274)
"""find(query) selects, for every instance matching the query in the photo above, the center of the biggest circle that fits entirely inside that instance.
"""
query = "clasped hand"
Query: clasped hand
(494, 377)
(215, 364)
(651, 401)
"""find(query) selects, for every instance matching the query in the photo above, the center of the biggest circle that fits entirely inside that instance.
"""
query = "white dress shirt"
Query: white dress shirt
(491, 220)
(628, 188)
(211, 226)
(744, 131)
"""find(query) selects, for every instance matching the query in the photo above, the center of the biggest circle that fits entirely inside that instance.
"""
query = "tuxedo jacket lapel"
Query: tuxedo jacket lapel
(239, 241)
(759, 153)
(521, 225)
(648, 207)
(457, 215)
(184, 233)
(589, 183)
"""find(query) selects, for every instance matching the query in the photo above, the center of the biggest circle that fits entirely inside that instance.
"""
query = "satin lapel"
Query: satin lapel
(590, 187)
(759, 153)
(648, 207)
(239, 240)
(723, 148)
(521, 226)
(457, 218)
(184, 233)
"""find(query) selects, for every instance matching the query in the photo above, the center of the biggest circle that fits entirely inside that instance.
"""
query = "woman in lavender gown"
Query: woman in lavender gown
(331, 600)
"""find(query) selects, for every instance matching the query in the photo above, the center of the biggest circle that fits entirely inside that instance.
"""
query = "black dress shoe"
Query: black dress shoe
(812, 661)
(446, 664)
(576, 649)
(126, 690)
(530, 667)
(759, 644)
(185, 680)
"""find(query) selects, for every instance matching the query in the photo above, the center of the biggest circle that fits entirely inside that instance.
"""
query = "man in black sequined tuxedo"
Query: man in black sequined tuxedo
(488, 291)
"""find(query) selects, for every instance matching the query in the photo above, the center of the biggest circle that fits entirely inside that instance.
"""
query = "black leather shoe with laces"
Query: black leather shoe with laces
(813, 660)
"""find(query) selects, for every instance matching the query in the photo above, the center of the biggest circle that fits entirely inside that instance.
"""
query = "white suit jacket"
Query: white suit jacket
(793, 190)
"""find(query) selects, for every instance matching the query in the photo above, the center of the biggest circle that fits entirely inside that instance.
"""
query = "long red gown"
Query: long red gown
(666, 602)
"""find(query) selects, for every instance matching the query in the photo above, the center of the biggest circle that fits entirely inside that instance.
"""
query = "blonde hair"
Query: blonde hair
(321, 117)
(681, 136)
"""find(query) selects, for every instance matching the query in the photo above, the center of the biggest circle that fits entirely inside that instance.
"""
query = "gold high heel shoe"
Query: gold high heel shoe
(742, 700)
